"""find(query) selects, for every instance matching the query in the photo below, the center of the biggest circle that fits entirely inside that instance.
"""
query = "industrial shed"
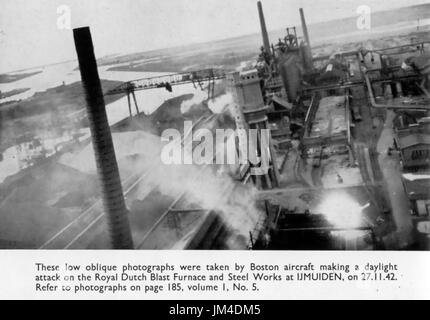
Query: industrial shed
(414, 150)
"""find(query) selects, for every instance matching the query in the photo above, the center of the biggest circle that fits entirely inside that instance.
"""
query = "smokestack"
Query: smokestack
(304, 28)
(307, 51)
(266, 42)
(107, 167)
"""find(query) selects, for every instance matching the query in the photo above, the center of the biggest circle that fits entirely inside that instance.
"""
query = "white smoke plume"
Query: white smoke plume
(208, 189)
(203, 186)
(198, 97)
(221, 103)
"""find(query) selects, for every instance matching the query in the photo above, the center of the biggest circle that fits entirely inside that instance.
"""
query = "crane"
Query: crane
(197, 78)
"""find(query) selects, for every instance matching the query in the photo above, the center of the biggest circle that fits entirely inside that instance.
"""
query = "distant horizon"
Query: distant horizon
(198, 42)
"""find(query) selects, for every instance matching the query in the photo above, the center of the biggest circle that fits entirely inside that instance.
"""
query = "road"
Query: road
(391, 171)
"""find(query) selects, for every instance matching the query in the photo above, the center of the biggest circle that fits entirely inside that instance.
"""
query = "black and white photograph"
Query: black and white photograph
(215, 125)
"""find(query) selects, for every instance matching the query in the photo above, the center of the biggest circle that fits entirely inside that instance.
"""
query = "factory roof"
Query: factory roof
(412, 140)
(248, 72)
(417, 187)
(330, 117)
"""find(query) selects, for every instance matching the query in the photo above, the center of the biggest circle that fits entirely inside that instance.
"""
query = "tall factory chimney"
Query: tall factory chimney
(304, 27)
(306, 48)
(266, 42)
(107, 167)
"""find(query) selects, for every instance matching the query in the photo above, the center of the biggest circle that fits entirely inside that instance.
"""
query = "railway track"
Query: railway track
(70, 233)
(361, 158)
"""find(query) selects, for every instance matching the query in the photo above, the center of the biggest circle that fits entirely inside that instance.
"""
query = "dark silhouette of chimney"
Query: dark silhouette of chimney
(266, 42)
(304, 28)
(107, 167)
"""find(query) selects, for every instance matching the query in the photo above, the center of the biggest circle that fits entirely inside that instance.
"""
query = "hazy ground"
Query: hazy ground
(11, 93)
(50, 113)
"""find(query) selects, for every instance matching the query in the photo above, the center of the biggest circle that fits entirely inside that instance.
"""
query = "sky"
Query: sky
(30, 36)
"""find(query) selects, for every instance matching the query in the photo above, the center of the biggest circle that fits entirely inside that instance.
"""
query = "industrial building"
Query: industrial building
(417, 189)
(414, 149)
(327, 125)
(413, 144)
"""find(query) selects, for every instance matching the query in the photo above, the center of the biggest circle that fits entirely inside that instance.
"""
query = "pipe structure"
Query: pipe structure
(372, 97)
(416, 44)
(304, 27)
(107, 166)
(388, 106)
(266, 42)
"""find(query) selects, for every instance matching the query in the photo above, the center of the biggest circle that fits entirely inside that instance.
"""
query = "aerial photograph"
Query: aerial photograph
(215, 124)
